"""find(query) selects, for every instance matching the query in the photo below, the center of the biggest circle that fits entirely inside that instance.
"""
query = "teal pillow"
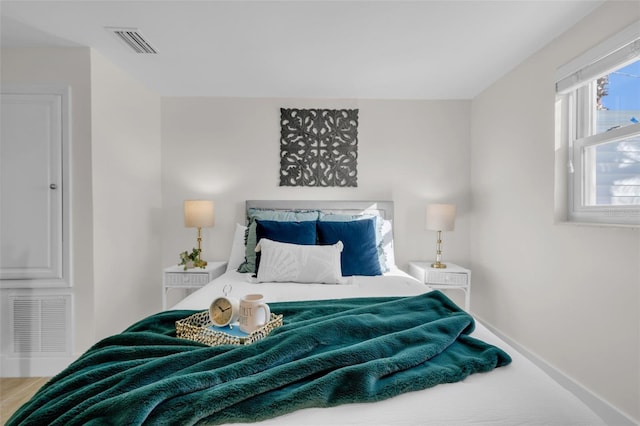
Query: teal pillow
(360, 254)
(253, 214)
(338, 217)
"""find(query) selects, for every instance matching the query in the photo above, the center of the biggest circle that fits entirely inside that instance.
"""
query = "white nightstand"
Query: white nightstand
(453, 277)
(177, 277)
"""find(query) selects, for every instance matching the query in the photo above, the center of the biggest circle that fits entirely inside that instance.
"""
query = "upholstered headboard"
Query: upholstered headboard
(383, 209)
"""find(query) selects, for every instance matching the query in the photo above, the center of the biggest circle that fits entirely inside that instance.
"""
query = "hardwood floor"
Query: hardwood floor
(15, 391)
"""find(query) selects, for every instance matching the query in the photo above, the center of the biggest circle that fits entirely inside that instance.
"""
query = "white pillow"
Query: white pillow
(387, 245)
(284, 262)
(236, 257)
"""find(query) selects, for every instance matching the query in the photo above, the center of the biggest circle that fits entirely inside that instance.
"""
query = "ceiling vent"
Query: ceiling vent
(134, 39)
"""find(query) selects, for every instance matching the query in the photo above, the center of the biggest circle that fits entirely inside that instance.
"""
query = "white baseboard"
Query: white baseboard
(33, 367)
(610, 414)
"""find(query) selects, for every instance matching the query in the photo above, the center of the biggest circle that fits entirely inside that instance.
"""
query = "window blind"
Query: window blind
(615, 52)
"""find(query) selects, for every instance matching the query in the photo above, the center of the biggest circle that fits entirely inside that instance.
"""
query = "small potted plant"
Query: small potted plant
(192, 260)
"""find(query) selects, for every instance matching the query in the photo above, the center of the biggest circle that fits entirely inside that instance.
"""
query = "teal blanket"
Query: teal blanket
(327, 353)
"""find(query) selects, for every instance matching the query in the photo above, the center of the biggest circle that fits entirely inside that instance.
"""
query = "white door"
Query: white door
(32, 249)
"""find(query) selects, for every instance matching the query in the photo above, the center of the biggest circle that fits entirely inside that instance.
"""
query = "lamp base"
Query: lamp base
(438, 265)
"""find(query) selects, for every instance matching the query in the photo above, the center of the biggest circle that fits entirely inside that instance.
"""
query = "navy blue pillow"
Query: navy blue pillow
(360, 254)
(285, 232)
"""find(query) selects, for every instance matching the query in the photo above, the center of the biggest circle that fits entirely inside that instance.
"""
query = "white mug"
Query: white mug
(254, 313)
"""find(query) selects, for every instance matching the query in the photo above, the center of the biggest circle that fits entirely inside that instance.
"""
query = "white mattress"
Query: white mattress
(518, 394)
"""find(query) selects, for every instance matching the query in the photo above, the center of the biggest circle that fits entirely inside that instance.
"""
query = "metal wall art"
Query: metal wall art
(319, 147)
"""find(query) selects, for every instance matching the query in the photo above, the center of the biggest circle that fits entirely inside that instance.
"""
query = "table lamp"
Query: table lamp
(440, 217)
(198, 214)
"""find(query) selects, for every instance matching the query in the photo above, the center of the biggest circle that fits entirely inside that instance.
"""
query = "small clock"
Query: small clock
(224, 311)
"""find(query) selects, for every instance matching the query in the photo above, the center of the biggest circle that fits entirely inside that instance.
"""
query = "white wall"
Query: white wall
(568, 293)
(226, 149)
(126, 198)
(68, 67)
(115, 173)
(411, 152)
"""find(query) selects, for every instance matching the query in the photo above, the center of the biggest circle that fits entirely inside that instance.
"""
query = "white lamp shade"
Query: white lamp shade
(198, 213)
(441, 217)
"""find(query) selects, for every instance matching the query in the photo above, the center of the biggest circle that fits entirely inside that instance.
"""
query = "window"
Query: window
(598, 127)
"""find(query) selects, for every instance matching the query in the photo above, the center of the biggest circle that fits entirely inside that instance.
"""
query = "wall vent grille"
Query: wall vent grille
(41, 325)
(134, 39)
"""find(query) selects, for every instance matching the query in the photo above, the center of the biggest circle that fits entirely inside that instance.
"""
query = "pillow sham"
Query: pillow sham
(285, 262)
(360, 253)
(387, 246)
(380, 228)
(236, 257)
(285, 232)
(250, 241)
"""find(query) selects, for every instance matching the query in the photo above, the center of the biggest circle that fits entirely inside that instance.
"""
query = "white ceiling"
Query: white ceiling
(428, 49)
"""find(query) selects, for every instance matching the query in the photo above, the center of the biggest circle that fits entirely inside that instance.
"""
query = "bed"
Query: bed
(373, 348)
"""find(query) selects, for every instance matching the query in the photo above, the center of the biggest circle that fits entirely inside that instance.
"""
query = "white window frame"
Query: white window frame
(574, 132)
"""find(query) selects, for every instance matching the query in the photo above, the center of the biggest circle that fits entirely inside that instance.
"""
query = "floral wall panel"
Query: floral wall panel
(319, 147)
